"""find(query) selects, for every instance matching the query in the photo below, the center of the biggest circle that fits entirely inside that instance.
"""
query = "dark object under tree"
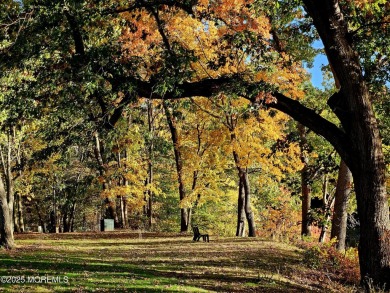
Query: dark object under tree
(198, 235)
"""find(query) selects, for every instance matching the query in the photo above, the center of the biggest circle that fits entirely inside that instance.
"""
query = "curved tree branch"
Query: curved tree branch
(309, 118)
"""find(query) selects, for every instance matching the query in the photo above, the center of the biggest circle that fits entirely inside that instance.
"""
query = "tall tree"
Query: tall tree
(353, 107)
(185, 213)
(305, 183)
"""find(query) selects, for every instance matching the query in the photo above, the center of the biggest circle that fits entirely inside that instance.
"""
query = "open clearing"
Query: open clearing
(151, 262)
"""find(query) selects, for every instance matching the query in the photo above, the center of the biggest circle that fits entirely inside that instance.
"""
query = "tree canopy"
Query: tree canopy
(95, 96)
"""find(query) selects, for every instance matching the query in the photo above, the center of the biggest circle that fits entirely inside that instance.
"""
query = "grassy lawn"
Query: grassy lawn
(150, 262)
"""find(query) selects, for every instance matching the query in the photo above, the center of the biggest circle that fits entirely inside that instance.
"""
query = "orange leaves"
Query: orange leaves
(141, 39)
(235, 15)
(239, 17)
(204, 35)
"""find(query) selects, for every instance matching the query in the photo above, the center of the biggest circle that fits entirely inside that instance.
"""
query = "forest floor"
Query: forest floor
(151, 262)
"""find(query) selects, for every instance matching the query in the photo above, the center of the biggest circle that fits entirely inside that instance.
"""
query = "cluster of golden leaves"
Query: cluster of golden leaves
(202, 34)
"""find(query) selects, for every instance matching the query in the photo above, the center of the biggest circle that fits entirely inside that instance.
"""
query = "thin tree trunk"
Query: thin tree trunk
(325, 202)
(193, 209)
(339, 221)
(53, 214)
(119, 199)
(150, 164)
(150, 197)
(20, 214)
(18, 211)
(72, 216)
(200, 152)
(184, 212)
(122, 212)
(125, 213)
(248, 209)
(146, 199)
(324, 228)
(305, 175)
(17, 227)
(241, 209)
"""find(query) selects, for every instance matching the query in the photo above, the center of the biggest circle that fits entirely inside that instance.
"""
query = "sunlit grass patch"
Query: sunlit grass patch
(158, 263)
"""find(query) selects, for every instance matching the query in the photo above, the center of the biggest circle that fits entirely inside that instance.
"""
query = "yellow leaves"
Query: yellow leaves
(288, 79)
(50, 166)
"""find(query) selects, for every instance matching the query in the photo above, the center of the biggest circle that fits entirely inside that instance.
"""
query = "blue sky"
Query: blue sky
(316, 73)
(319, 61)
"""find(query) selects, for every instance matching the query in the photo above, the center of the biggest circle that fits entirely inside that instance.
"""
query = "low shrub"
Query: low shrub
(324, 256)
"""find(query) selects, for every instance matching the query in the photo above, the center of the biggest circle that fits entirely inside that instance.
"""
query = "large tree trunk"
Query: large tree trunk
(184, 212)
(365, 158)
(241, 209)
(10, 182)
(9, 190)
(305, 185)
(339, 221)
(6, 229)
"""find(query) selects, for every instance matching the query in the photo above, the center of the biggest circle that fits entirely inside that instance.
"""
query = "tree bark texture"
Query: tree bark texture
(18, 213)
(364, 155)
(339, 221)
(240, 209)
(6, 229)
(247, 206)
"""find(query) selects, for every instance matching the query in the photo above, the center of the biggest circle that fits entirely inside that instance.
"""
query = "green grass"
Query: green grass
(124, 262)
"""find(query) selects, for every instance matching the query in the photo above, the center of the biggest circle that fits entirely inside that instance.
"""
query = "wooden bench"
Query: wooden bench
(197, 235)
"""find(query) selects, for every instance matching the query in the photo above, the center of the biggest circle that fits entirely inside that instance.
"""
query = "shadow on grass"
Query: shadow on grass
(156, 266)
(134, 277)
